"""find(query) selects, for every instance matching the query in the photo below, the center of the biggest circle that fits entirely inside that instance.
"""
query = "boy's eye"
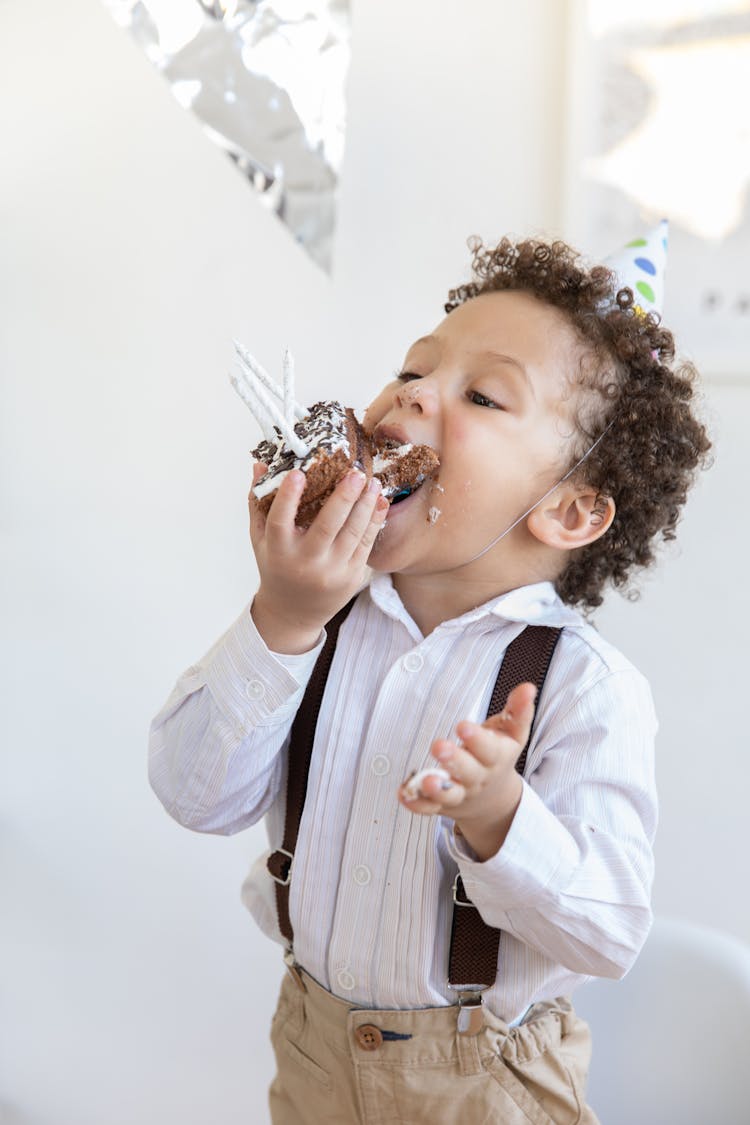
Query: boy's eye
(473, 396)
(481, 400)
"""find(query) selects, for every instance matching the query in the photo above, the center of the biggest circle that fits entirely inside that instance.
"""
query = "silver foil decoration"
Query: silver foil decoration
(267, 79)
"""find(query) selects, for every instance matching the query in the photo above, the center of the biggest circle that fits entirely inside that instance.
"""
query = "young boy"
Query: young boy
(566, 445)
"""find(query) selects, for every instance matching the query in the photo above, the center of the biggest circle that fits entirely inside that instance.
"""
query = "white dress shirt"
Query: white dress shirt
(371, 883)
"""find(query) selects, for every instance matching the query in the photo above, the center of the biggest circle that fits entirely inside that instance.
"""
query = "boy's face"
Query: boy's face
(491, 391)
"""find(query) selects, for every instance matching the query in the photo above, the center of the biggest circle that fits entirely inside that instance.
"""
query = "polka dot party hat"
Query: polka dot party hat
(641, 265)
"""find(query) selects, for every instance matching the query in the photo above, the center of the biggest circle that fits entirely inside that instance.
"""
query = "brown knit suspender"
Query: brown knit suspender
(279, 864)
(474, 944)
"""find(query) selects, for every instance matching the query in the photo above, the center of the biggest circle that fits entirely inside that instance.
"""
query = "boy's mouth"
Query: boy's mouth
(390, 435)
(406, 492)
(402, 466)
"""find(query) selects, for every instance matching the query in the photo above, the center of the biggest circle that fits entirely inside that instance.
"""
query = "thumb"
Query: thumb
(517, 715)
(257, 519)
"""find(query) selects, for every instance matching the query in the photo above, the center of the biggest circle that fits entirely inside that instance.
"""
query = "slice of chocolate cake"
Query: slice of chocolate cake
(402, 468)
(325, 442)
(336, 443)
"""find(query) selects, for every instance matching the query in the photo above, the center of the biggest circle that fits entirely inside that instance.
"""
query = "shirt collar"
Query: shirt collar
(537, 604)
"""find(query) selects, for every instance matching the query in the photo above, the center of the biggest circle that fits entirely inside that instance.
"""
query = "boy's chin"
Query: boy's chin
(401, 541)
(379, 557)
(387, 551)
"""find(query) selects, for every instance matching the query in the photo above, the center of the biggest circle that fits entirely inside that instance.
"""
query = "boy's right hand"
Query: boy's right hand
(306, 576)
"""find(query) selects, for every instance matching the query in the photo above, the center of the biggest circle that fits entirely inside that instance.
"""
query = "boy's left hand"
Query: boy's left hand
(484, 789)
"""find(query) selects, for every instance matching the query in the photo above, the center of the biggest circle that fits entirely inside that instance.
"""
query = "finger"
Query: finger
(283, 510)
(257, 518)
(433, 798)
(367, 517)
(415, 782)
(517, 715)
(336, 510)
(503, 736)
(257, 523)
(375, 526)
(463, 763)
(358, 520)
(419, 805)
(445, 794)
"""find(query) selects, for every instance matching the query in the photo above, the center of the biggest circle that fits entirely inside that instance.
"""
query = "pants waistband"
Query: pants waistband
(424, 1034)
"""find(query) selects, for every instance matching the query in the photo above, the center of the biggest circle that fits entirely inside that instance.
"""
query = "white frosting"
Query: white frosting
(269, 484)
(433, 515)
(324, 433)
(382, 460)
(414, 785)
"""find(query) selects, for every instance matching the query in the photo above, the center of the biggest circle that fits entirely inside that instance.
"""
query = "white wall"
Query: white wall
(135, 989)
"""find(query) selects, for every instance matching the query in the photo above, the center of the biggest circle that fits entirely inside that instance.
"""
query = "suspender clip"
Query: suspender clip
(279, 866)
(470, 1013)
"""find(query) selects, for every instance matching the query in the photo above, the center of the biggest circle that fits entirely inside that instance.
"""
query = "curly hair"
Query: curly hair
(653, 446)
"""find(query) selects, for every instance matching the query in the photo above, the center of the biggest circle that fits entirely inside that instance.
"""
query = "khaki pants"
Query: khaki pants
(341, 1065)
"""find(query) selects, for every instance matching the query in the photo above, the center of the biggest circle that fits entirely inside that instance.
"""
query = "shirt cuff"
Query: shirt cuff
(252, 685)
(536, 860)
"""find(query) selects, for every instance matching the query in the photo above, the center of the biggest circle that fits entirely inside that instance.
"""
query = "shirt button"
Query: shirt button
(254, 689)
(240, 730)
(380, 765)
(413, 662)
(368, 1037)
(345, 979)
(362, 875)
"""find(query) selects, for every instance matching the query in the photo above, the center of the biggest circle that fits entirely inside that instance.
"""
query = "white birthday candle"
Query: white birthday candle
(288, 386)
(262, 376)
(247, 394)
(274, 411)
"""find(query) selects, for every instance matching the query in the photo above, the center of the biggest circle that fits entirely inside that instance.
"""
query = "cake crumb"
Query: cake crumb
(433, 515)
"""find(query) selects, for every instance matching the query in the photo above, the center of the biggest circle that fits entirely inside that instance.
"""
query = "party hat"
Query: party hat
(641, 266)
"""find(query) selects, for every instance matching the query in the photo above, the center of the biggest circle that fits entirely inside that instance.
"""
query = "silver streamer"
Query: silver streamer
(267, 79)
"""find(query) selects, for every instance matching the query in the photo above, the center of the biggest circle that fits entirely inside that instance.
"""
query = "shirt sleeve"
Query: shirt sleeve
(216, 748)
(573, 877)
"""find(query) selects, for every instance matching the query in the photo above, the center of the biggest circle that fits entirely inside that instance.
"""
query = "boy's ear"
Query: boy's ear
(571, 517)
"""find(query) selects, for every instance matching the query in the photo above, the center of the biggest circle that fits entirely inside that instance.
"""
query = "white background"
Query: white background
(135, 991)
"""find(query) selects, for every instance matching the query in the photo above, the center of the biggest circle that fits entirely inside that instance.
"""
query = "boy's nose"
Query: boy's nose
(416, 396)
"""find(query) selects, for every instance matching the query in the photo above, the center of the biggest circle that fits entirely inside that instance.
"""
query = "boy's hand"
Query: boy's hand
(484, 790)
(306, 576)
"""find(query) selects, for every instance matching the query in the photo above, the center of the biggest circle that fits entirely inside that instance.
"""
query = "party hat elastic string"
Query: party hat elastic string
(541, 499)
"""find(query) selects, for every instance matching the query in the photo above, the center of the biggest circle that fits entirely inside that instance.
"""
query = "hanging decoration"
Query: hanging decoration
(267, 80)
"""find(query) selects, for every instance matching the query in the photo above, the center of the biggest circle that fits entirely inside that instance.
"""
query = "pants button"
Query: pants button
(368, 1037)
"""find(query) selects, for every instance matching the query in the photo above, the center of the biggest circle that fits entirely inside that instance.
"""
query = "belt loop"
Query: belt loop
(469, 1023)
